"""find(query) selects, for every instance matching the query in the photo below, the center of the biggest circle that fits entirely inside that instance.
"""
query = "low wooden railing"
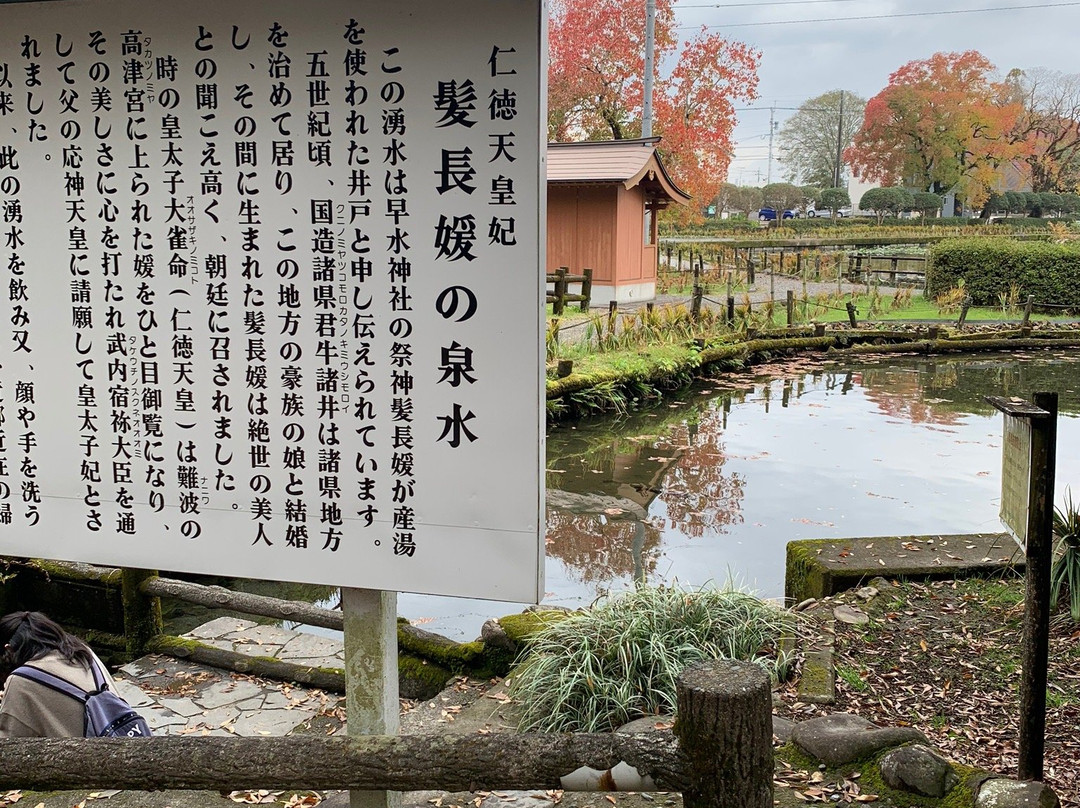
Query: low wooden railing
(720, 754)
(560, 296)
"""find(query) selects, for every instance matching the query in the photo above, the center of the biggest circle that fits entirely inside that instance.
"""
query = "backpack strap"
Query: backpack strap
(52, 681)
(100, 684)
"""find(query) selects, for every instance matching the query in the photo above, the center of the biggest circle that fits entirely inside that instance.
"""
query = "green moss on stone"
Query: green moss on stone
(68, 572)
(816, 678)
(804, 576)
(419, 678)
(962, 795)
(522, 627)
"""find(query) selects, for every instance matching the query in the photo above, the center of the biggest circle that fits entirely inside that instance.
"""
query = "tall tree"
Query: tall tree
(1050, 124)
(809, 138)
(941, 124)
(595, 85)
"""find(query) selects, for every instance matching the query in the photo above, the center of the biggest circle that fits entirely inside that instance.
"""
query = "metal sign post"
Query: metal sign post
(1027, 511)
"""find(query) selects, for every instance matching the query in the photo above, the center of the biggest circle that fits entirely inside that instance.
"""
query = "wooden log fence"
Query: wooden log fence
(560, 295)
(720, 755)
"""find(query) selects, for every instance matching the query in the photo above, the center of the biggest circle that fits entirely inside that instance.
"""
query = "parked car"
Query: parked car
(769, 214)
(841, 213)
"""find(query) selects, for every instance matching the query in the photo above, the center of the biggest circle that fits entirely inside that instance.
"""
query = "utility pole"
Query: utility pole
(650, 28)
(772, 128)
(839, 142)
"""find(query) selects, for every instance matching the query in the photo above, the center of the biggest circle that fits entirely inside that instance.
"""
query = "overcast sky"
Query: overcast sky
(801, 60)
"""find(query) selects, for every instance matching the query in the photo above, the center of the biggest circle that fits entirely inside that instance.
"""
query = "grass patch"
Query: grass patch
(851, 677)
(618, 661)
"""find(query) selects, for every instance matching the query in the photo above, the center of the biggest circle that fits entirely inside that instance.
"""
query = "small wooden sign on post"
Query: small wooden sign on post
(1028, 453)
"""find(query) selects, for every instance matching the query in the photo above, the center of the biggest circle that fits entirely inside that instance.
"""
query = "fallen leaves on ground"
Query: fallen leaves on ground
(943, 657)
(260, 797)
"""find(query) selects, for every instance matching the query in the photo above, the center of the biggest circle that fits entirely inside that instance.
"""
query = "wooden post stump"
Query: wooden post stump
(790, 302)
(725, 732)
(963, 312)
(565, 368)
(142, 612)
(1027, 311)
(851, 315)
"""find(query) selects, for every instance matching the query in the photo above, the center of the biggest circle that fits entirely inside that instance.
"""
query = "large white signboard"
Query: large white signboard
(272, 274)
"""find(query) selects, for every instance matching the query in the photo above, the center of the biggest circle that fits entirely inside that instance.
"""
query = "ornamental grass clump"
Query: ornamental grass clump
(1065, 571)
(618, 661)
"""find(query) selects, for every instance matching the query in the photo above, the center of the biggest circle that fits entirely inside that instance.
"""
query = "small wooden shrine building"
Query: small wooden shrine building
(602, 202)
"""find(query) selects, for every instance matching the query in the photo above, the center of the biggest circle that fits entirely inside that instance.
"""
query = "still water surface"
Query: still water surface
(713, 485)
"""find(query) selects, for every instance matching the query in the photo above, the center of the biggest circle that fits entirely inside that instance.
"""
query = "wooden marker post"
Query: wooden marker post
(1029, 449)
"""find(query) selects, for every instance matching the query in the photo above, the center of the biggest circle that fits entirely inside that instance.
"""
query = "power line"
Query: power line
(875, 16)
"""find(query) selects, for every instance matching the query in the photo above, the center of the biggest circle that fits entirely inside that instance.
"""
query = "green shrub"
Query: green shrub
(1066, 568)
(990, 267)
(618, 661)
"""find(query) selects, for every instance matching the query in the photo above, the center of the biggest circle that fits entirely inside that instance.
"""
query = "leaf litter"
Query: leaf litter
(944, 657)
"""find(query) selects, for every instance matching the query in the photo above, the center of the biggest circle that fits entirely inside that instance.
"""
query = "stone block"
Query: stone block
(918, 769)
(844, 738)
(999, 792)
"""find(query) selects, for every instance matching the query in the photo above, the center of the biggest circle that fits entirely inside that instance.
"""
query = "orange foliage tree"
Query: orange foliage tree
(943, 123)
(596, 87)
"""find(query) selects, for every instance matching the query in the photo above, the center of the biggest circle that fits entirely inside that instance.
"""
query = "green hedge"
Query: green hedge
(990, 267)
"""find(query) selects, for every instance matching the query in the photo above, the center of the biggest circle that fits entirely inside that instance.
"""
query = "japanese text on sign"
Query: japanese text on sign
(273, 273)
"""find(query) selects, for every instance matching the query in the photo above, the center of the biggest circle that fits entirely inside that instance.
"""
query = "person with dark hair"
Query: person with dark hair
(30, 709)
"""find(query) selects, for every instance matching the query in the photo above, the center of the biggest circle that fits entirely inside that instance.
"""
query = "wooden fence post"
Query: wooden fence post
(586, 288)
(725, 731)
(963, 311)
(695, 302)
(1034, 650)
(142, 613)
(560, 291)
(1027, 311)
(851, 314)
(730, 309)
(790, 307)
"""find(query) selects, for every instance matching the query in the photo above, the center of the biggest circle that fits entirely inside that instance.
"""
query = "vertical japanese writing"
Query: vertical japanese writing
(247, 252)
(11, 218)
(359, 311)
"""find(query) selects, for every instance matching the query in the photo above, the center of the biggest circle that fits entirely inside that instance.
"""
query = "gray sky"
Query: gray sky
(804, 59)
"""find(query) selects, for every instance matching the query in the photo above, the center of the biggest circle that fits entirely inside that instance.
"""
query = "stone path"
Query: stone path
(181, 698)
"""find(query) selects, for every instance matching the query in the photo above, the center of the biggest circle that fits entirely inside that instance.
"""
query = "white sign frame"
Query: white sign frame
(475, 510)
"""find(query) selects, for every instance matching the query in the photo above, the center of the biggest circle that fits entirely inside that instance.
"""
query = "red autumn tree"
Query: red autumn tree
(941, 124)
(596, 87)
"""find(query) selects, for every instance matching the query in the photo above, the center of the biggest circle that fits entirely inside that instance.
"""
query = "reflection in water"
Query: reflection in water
(715, 484)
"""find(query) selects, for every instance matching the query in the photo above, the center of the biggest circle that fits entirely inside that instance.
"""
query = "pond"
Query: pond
(712, 485)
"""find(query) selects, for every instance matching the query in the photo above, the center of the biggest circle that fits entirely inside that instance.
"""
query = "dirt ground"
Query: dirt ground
(944, 658)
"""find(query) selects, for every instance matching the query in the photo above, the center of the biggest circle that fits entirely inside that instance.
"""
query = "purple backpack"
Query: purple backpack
(107, 715)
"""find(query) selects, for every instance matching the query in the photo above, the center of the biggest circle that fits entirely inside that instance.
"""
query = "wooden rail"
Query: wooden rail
(560, 296)
(720, 754)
